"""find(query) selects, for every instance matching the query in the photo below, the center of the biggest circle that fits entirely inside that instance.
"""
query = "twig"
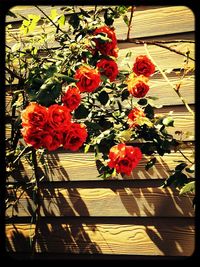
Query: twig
(38, 203)
(157, 43)
(168, 81)
(185, 156)
(130, 21)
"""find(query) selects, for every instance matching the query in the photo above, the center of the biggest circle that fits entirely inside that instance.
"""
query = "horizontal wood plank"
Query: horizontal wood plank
(171, 19)
(112, 201)
(167, 237)
(67, 166)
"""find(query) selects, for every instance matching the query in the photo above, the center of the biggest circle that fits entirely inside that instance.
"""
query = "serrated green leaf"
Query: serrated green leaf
(189, 187)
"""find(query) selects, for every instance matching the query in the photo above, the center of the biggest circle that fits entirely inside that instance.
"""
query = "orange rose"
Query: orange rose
(134, 115)
(34, 115)
(89, 79)
(137, 85)
(59, 117)
(33, 136)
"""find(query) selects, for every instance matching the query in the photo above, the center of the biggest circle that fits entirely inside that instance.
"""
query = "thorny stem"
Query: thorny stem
(170, 83)
(130, 21)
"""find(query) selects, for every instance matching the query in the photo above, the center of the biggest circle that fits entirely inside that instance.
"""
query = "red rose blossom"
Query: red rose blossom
(89, 79)
(143, 66)
(34, 115)
(109, 68)
(59, 117)
(134, 115)
(52, 139)
(108, 48)
(71, 98)
(74, 137)
(124, 158)
(32, 136)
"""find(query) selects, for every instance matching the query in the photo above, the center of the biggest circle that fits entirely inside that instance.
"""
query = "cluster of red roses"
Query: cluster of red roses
(52, 127)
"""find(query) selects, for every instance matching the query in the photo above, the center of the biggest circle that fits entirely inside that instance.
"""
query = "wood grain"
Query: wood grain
(67, 166)
(169, 237)
(126, 201)
(171, 19)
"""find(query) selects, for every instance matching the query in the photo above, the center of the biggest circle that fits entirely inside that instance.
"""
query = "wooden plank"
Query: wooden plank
(112, 201)
(67, 166)
(171, 19)
(167, 237)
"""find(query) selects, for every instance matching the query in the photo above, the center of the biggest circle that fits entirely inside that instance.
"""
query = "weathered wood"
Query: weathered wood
(145, 23)
(104, 202)
(67, 166)
(169, 237)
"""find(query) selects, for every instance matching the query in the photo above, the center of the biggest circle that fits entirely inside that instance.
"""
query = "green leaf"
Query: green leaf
(168, 121)
(84, 13)
(143, 102)
(108, 18)
(150, 164)
(81, 112)
(180, 166)
(103, 97)
(125, 19)
(74, 20)
(125, 94)
(54, 14)
(61, 21)
(86, 148)
(177, 179)
(189, 187)
(149, 111)
(65, 78)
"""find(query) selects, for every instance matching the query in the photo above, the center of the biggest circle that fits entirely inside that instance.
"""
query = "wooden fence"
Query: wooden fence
(131, 217)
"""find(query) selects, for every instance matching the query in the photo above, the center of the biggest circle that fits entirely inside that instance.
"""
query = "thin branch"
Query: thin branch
(170, 83)
(157, 43)
(130, 22)
(12, 73)
(185, 156)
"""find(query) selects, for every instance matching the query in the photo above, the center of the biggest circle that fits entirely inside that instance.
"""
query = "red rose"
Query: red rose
(124, 158)
(143, 66)
(108, 68)
(74, 138)
(59, 117)
(71, 98)
(52, 139)
(137, 85)
(32, 136)
(108, 48)
(89, 79)
(34, 115)
(134, 115)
